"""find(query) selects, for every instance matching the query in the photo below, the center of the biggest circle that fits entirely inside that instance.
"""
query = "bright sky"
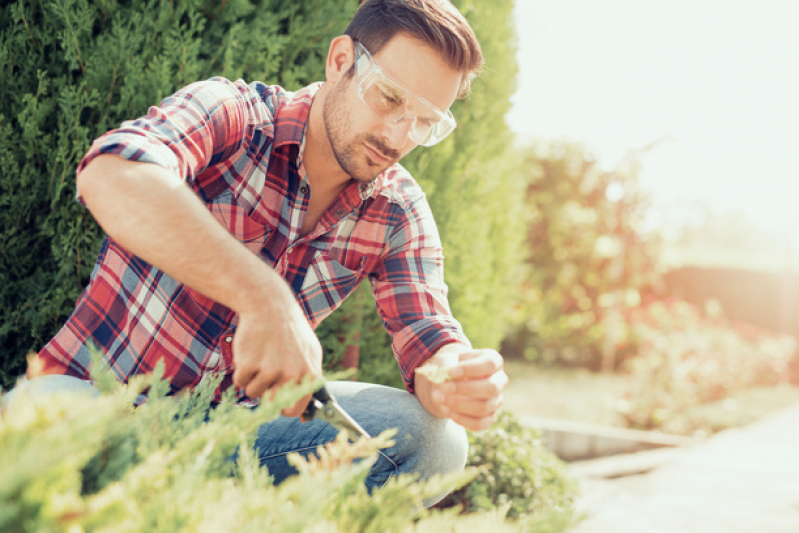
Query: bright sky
(719, 79)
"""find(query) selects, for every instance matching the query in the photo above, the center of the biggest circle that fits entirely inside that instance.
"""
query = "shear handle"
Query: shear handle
(318, 400)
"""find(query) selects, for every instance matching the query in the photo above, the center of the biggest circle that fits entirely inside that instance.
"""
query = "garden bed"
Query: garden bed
(596, 398)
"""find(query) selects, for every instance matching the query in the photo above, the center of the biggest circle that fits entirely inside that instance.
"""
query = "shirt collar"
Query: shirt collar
(291, 116)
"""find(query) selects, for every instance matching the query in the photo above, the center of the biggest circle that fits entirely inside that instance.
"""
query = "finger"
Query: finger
(298, 408)
(262, 383)
(474, 423)
(474, 407)
(477, 364)
(243, 374)
(486, 388)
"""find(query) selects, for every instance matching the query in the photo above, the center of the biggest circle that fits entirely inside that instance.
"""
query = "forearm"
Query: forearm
(154, 215)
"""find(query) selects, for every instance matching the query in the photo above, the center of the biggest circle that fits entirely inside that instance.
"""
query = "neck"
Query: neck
(324, 172)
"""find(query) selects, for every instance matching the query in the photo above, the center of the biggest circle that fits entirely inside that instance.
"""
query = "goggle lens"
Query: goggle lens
(394, 103)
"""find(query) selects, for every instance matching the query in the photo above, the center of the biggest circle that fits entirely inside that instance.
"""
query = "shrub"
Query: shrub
(75, 463)
(515, 469)
(688, 357)
(72, 69)
(476, 193)
(588, 255)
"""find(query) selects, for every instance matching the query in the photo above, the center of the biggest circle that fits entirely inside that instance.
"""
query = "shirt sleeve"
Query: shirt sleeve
(203, 124)
(411, 294)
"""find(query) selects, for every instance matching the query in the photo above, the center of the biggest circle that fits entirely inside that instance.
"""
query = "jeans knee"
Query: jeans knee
(446, 452)
(448, 448)
(36, 390)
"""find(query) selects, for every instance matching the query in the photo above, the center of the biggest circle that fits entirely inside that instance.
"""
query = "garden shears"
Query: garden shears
(325, 407)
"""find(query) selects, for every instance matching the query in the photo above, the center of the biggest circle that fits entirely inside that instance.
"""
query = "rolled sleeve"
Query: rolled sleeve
(411, 294)
(200, 125)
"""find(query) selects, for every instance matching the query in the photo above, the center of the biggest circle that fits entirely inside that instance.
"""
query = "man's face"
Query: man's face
(363, 144)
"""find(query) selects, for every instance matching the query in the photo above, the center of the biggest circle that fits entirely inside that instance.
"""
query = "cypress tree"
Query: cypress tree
(476, 191)
(71, 70)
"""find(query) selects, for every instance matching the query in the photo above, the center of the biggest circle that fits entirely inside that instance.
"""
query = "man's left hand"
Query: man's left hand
(473, 394)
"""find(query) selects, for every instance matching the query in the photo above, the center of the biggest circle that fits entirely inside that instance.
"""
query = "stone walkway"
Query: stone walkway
(743, 480)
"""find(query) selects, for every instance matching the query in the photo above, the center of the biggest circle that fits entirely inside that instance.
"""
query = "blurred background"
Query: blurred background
(705, 91)
(691, 108)
(616, 204)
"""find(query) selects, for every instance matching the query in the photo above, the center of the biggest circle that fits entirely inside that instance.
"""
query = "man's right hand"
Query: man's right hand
(272, 351)
(153, 214)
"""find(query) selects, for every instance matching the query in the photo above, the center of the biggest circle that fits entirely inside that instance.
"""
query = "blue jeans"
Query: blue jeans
(425, 445)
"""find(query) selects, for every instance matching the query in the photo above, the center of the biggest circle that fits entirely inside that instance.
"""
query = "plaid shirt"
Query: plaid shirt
(239, 147)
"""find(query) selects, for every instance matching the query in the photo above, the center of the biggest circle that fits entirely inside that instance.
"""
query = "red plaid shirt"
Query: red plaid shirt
(239, 147)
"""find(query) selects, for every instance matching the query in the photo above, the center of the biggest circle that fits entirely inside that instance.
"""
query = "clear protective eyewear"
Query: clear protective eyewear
(394, 103)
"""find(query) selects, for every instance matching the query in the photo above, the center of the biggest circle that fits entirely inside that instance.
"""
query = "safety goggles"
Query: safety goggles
(394, 103)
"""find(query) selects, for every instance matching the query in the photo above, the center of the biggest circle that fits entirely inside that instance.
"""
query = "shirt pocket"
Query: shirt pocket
(326, 285)
(220, 359)
(236, 219)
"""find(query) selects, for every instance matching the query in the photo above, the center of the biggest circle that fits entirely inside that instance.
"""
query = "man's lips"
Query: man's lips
(377, 156)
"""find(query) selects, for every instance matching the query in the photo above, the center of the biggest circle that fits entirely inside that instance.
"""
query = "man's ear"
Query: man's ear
(339, 58)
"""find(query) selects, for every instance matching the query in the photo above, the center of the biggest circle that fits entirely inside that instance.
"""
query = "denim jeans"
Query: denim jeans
(425, 445)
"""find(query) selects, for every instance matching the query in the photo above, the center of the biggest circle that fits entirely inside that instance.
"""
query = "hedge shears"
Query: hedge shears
(325, 407)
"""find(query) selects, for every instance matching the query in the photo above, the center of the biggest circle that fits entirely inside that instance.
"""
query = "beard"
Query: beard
(350, 151)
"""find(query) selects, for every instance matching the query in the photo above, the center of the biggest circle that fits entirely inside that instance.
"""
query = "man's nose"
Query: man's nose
(396, 133)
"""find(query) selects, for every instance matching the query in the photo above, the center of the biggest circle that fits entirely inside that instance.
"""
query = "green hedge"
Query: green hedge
(72, 69)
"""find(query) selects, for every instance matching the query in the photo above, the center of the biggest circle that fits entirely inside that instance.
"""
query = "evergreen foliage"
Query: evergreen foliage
(516, 470)
(474, 185)
(72, 69)
(78, 463)
(476, 191)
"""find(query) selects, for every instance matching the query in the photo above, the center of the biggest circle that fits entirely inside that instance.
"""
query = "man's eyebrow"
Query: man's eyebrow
(391, 89)
(428, 119)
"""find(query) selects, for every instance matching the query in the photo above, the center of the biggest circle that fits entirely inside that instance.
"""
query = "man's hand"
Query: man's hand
(271, 352)
(153, 214)
(473, 394)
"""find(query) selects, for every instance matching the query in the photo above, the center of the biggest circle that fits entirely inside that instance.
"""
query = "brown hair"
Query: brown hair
(436, 23)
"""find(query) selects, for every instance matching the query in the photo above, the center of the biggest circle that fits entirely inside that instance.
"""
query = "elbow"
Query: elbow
(87, 182)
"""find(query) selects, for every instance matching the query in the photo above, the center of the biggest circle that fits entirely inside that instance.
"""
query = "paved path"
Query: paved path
(743, 480)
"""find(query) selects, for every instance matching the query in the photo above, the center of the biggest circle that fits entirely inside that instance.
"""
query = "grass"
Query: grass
(742, 407)
(568, 394)
(581, 396)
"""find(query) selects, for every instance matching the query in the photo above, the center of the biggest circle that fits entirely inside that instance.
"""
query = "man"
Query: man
(239, 216)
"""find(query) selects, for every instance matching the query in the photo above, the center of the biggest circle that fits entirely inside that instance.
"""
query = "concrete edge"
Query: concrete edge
(572, 441)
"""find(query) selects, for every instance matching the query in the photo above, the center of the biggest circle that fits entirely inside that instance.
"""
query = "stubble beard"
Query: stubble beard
(346, 152)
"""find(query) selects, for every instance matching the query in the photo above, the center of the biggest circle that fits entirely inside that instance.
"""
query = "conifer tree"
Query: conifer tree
(72, 69)
(476, 191)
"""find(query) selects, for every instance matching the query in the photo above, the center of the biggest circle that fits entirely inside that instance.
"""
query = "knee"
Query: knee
(440, 448)
(446, 448)
(37, 390)
(430, 446)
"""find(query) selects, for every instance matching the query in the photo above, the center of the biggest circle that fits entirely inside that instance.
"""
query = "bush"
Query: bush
(71, 70)
(515, 469)
(588, 255)
(476, 192)
(688, 357)
(75, 463)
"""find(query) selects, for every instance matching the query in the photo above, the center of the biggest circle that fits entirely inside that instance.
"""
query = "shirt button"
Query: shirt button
(228, 339)
(340, 213)
(303, 189)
